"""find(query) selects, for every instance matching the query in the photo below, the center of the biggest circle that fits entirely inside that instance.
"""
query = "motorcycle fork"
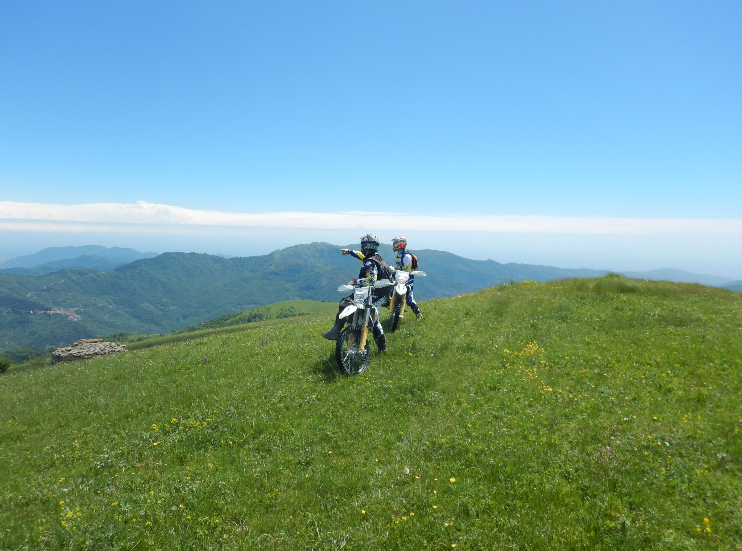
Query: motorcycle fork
(393, 303)
(364, 338)
(353, 337)
(364, 328)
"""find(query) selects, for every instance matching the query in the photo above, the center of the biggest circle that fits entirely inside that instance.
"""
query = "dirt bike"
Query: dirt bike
(352, 350)
(399, 297)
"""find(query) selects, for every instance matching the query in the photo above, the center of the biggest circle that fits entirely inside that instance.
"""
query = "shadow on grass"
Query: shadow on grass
(327, 369)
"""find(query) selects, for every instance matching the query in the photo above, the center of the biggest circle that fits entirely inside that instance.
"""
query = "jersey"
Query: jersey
(373, 269)
(406, 261)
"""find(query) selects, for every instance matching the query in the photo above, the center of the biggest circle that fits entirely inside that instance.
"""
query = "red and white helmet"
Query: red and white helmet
(399, 242)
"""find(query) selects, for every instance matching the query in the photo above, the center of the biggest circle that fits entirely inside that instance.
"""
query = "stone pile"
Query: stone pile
(85, 349)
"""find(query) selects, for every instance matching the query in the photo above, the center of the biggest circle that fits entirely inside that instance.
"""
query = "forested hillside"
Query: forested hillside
(176, 290)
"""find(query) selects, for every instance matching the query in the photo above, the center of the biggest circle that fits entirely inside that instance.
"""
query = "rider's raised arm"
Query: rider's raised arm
(356, 254)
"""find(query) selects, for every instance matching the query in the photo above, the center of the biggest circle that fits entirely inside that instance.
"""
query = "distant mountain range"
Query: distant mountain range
(733, 285)
(680, 276)
(155, 294)
(88, 257)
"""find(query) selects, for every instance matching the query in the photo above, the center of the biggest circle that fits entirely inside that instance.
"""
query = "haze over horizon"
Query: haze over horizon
(577, 135)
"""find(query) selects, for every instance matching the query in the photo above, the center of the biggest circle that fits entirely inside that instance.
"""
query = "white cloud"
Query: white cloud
(144, 217)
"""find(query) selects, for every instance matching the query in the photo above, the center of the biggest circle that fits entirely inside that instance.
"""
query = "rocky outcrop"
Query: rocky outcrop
(86, 349)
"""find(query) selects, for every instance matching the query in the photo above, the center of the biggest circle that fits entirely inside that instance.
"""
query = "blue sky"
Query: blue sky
(576, 134)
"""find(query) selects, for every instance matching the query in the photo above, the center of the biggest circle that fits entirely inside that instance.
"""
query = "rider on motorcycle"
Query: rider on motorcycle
(404, 262)
(373, 268)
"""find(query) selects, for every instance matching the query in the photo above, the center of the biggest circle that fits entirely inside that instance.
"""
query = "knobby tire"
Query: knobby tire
(350, 360)
(397, 313)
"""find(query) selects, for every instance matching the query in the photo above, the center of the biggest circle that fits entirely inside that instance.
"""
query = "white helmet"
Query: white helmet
(399, 242)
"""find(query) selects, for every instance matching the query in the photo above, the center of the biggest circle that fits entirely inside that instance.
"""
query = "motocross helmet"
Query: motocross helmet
(369, 242)
(399, 242)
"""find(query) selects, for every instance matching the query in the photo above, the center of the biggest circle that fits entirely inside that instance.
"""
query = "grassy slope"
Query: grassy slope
(230, 323)
(285, 309)
(576, 414)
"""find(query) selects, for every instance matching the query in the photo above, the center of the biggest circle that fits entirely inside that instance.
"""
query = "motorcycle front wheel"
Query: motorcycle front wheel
(397, 313)
(350, 359)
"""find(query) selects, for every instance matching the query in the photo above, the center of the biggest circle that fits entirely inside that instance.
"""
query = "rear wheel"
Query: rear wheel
(350, 359)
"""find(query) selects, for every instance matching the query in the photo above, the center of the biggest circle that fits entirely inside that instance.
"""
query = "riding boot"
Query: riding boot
(379, 337)
(381, 342)
(416, 309)
(334, 333)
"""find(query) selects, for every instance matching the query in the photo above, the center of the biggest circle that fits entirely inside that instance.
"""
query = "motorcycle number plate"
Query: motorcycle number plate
(362, 293)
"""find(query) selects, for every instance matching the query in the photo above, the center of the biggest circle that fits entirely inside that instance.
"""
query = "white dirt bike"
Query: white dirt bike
(352, 349)
(399, 297)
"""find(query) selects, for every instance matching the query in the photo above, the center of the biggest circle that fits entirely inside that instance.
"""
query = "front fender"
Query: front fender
(348, 311)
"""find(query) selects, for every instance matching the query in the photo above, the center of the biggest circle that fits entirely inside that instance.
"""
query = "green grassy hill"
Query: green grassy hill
(575, 414)
(286, 309)
(32, 359)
